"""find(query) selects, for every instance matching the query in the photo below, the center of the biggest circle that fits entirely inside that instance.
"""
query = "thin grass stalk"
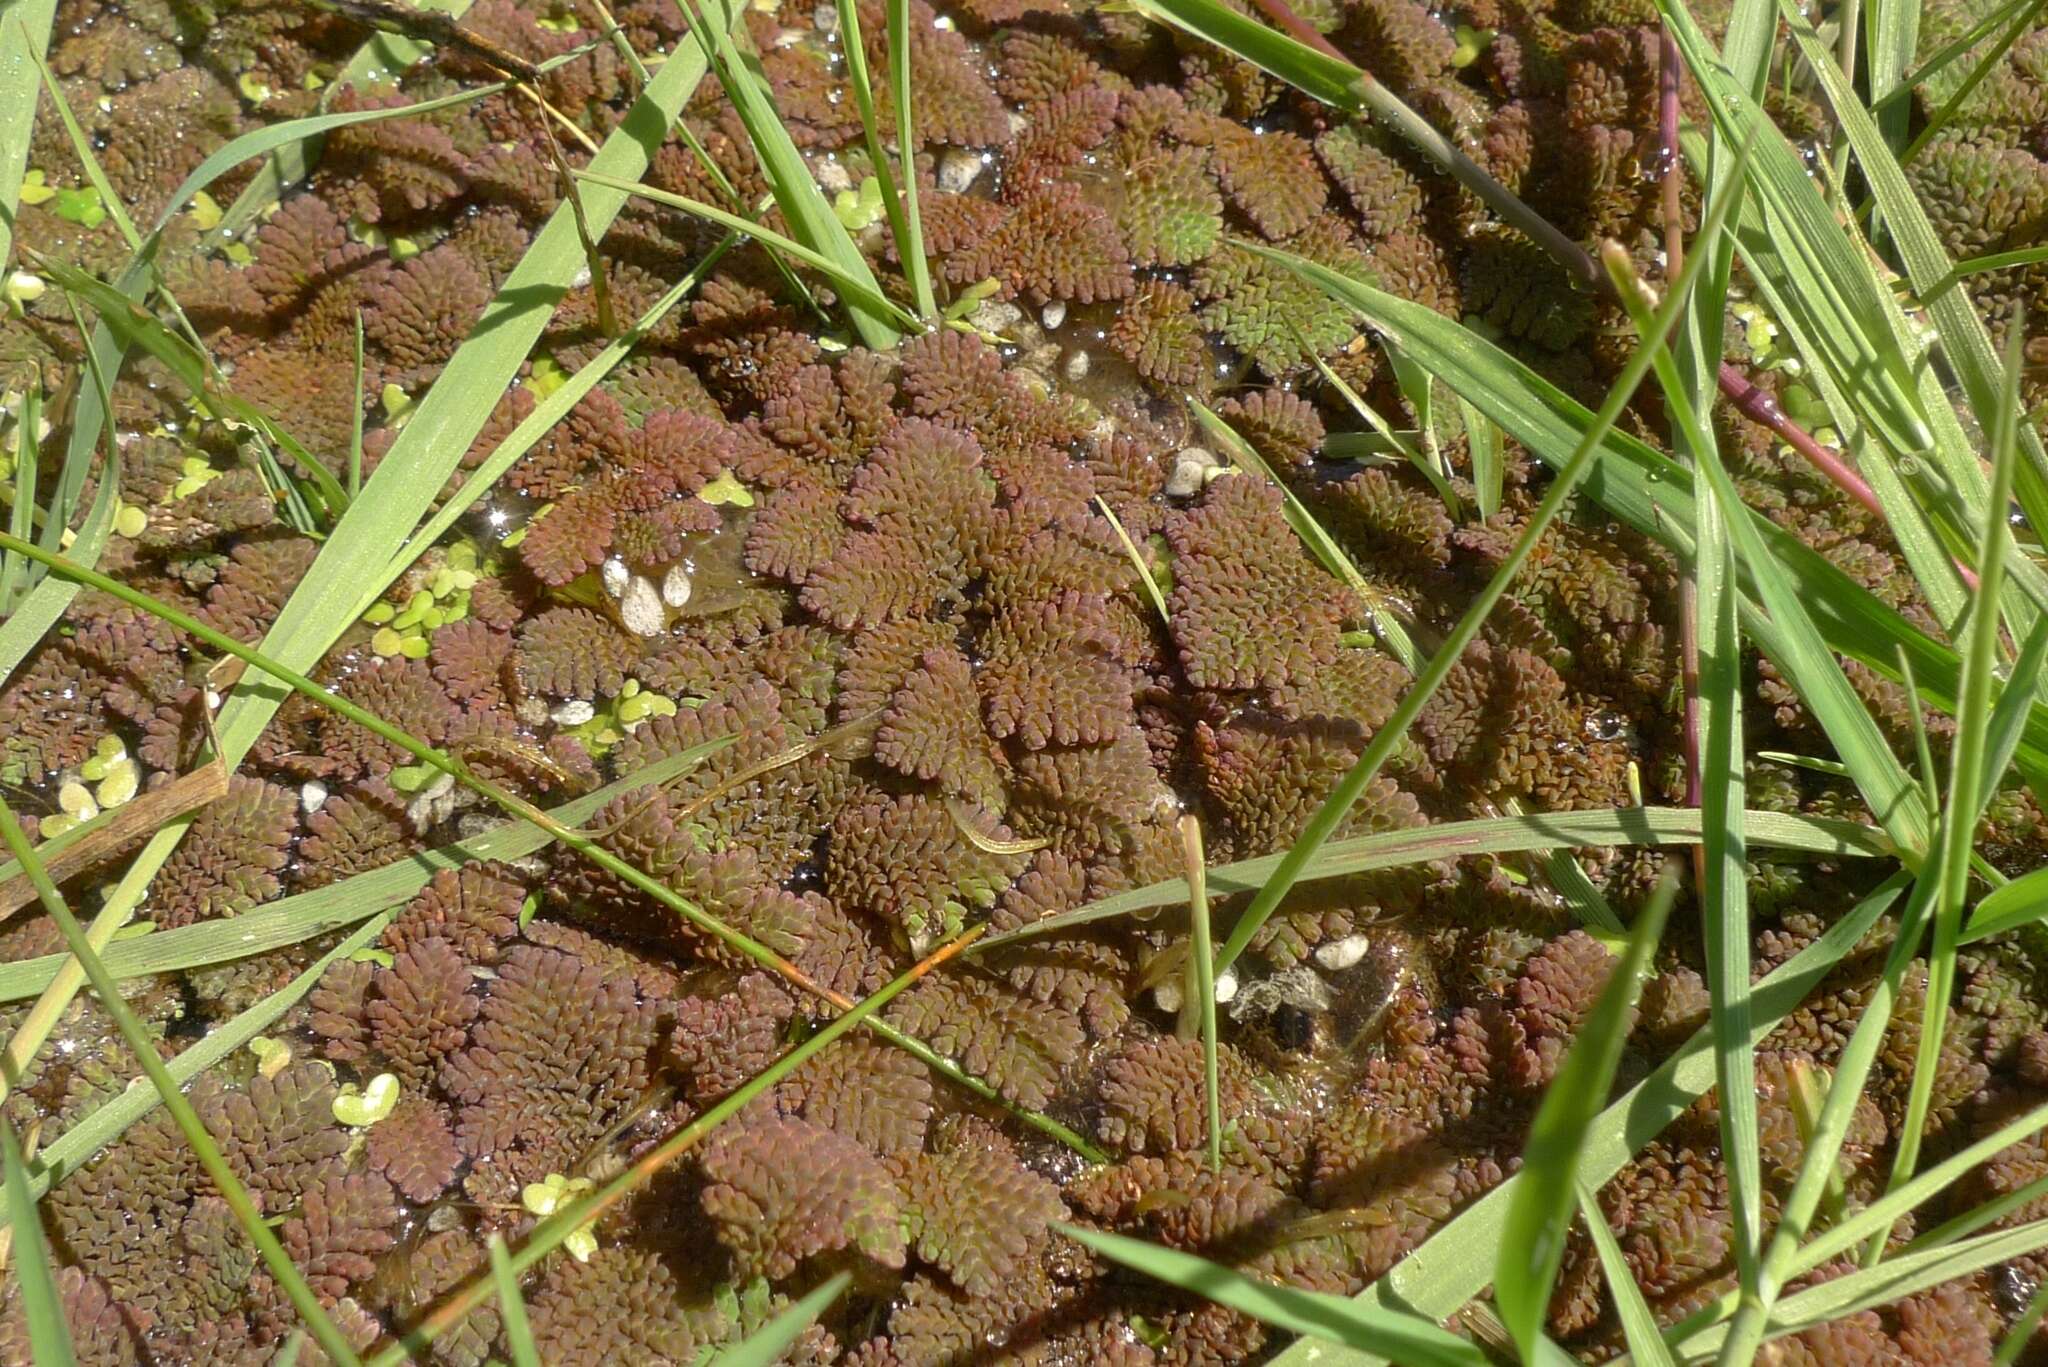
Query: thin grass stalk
(1723, 893)
(22, 517)
(548, 1235)
(49, 1335)
(914, 263)
(1966, 783)
(575, 840)
(1395, 730)
(24, 37)
(517, 1329)
(1638, 1322)
(908, 247)
(1202, 980)
(768, 1344)
(144, 1049)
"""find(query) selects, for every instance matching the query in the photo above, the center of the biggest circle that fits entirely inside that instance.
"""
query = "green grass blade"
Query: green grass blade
(2009, 714)
(1456, 1262)
(88, 160)
(1541, 1212)
(306, 915)
(2019, 903)
(1966, 344)
(49, 1336)
(1430, 470)
(1201, 993)
(914, 264)
(1724, 898)
(512, 1306)
(1638, 1325)
(1483, 448)
(767, 1344)
(1891, 31)
(1967, 789)
(895, 205)
(859, 286)
(24, 36)
(355, 432)
(40, 611)
(1649, 826)
(1406, 1338)
(1978, 265)
(136, 1036)
(78, 1145)
(1150, 582)
(1338, 805)
(1988, 62)
(22, 517)
(804, 206)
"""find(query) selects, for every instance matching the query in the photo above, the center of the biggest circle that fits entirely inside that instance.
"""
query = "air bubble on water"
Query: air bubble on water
(1606, 725)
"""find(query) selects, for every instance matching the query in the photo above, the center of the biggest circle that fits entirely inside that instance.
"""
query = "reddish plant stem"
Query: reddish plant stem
(1753, 403)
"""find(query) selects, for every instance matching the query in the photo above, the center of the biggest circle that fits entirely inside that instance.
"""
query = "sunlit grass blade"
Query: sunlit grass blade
(2016, 699)
(1978, 265)
(512, 1307)
(1456, 1262)
(1986, 63)
(49, 1336)
(1406, 1338)
(36, 614)
(550, 1233)
(1966, 343)
(767, 1344)
(2019, 903)
(139, 1043)
(1891, 31)
(804, 206)
(1638, 1324)
(24, 35)
(857, 285)
(1648, 826)
(898, 200)
(22, 516)
(1200, 1011)
(1150, 582)
(1394, 731)
(1724, 863)
(306, 915)
(1649, 491)
(914, 263)
(1483, 448)
(1532, 1245)
(1967, 789)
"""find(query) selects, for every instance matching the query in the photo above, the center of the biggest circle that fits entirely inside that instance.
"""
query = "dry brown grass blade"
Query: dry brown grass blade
(112, 835)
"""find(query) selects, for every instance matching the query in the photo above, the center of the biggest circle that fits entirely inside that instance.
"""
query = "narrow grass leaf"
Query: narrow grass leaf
(24, 37)
(2019, 903)
(1202, 982)
(767, 1344)
(2016, 699)
(49, 1336)
(1966, 343)
(1638, 1323)
(1538, 1217)
(512, 1307)
(1647, 826)
(914, 263)
(1406, 1338)
(1456, 1262)
(139, 1043)
(915, 268)
(1483, 448)
(804, 206)
(306, 915)
(33, 618)
(22, 516)
(1153, 593)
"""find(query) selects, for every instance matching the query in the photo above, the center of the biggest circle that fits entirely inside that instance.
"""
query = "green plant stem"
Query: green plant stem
(1202, 987)
(914, 264)
(144, 1049)
(576, 840)
(909, 248)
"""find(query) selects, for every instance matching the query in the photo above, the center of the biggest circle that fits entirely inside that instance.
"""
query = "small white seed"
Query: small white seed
(675, 586)
(641, 609)
(312, 793)
(1191, 467)
(1226, 986)
(1053, 314)
(574, 712)
(1339, 955)
(958, 169)
(615, 576)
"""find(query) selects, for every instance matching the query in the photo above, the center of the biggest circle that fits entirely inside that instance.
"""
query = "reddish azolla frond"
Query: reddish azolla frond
(975, 1211)
(1267, 779)
(230, 860)
(1282, 427)
(747, 344)
(1058, 134)
(393, 169)
(1087, 797)
(1394, 528)
(870, 1091)
(907, 860)
(1158, 333)
(925, 481)
(1053, 677)
(352, 833)
(1271, 177)
(621, 1306)
(471, 659)
(404, 693)
(1055, 554)
(876, 576)
(1268, 312)
(878, 661)
(784, 1191)
(1374, 175)
(343, 1224)
(278, 1133)
(103, 1330)
(260, 574)
(420, 313)
(573, 653)
(717, 1043)
(1033, 65)
(1250, 609)
(414, 1149)
(1401, 42)
(1054, 244)
(1153, 1095)
(933, 731)
(303, 246)
(829, 417)
(1361, 688)
(1019, 1045)
(1518, 288)
(797, 529)
(421, 1010)
(560, 1052)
